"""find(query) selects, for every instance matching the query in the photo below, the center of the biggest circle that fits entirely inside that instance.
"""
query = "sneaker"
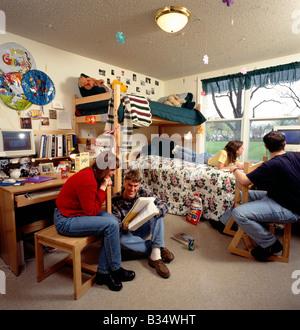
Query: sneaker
(262, 254)
(123, 275)
(108, 280)
(166, 255)
(160, 267)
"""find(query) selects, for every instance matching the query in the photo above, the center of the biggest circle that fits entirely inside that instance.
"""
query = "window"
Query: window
(247, 107)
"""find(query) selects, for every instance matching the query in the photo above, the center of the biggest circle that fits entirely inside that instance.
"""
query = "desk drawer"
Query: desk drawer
(22, 200)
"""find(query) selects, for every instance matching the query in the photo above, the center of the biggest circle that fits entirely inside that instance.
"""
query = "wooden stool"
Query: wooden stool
(241, 236)
(72, 245)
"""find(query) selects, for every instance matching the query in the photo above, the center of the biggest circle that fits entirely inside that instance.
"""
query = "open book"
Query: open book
(143, 210)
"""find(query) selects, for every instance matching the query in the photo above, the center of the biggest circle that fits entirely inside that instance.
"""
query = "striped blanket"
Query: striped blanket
(136, 113)
(139, 108)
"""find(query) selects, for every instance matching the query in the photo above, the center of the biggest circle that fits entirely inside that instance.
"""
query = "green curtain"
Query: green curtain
(262, 77)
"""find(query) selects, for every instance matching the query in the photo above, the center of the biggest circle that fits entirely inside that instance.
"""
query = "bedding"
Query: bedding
(181, 115)
(176, 181)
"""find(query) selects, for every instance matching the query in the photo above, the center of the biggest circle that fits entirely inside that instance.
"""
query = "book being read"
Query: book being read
(143, 210)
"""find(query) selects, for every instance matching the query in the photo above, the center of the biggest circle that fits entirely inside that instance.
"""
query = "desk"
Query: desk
(11, 198)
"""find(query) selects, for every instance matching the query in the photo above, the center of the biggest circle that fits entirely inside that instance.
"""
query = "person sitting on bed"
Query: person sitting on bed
(227, 158)
(90, 86)
(136, 241)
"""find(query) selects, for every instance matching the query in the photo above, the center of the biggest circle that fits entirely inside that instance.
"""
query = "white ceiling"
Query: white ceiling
(246, 32)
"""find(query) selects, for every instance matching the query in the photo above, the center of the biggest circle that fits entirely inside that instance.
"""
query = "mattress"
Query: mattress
(180, 115)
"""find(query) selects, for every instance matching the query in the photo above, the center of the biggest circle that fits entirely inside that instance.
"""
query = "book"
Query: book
(143, 210)
(183, 238)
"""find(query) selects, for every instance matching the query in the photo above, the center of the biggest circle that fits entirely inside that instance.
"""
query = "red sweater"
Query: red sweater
(79, 196)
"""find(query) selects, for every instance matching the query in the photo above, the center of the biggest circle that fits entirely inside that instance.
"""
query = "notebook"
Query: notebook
(38, 179)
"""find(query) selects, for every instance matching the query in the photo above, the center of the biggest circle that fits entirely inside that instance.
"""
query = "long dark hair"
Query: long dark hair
(232, 148)
(104, 162)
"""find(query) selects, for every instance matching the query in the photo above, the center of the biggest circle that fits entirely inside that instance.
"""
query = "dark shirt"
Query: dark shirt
(280, 177)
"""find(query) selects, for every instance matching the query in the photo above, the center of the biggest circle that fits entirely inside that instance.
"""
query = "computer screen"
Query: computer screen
(292, 136)
(16, 143)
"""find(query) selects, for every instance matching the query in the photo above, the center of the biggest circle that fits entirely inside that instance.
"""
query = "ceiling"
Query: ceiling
(246, 32)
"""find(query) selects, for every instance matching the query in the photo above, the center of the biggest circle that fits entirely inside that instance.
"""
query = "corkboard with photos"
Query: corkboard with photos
(136, 83)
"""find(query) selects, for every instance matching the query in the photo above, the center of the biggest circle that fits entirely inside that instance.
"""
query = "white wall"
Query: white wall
(64, 68)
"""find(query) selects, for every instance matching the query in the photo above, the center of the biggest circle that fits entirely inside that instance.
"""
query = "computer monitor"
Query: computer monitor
(16, 143)
(292, 137)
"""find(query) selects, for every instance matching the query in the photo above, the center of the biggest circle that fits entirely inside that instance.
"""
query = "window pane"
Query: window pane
(257, 131)
(275, 101)
(226, 105)
(218, 134)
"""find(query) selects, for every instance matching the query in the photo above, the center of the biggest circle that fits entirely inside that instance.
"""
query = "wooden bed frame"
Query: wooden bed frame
(156, 121)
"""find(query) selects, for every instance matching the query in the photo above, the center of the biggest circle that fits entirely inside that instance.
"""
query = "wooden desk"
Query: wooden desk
(12, 198)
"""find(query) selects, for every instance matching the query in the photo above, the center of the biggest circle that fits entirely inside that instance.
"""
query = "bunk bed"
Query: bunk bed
(173, 180)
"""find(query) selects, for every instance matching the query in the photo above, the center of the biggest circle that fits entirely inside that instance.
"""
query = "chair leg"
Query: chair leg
(286, 241)
(79, 288)
(227, 230)
(233, 246)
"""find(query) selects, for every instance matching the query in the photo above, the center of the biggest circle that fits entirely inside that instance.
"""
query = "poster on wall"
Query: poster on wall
(15, 58)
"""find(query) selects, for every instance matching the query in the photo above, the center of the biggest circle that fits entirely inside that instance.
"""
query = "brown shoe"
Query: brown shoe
(160, 267)
(166, 255)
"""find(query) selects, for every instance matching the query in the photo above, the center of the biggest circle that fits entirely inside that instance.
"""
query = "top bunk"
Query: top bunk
(162, 114)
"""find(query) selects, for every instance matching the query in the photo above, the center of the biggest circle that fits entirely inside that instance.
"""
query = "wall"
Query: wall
(64, 68)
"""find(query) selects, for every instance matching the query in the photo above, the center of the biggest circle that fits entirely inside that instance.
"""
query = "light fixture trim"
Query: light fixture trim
(169, 10)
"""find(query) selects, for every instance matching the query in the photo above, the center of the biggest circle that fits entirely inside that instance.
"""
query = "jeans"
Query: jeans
(260, 210)
(190, 155)
(137, 240)
(104, 224)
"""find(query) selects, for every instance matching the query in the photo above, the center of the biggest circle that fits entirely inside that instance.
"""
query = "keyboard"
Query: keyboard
(43, 193)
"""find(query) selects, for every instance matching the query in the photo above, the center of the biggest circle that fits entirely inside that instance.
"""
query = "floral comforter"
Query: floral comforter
(176, 181)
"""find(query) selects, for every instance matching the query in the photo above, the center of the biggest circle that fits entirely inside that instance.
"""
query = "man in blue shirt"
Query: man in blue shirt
(278, 199)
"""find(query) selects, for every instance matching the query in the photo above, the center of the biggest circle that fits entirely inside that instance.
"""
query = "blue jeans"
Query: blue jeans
(191, 156)
(260, 209)
(137, 240)
(104, 224)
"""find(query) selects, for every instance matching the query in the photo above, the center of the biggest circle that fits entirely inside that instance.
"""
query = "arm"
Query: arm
(240, 176)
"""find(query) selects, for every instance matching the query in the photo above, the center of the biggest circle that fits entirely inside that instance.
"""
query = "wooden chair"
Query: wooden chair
(241, 199)
(240, 237)
(74, 246)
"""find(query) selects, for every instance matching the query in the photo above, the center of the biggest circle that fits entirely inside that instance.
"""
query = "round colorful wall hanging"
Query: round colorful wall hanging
(11, 91)
(38, 87)
(15, 58)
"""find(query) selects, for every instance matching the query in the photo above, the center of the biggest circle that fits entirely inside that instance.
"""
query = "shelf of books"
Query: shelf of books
(54, 145)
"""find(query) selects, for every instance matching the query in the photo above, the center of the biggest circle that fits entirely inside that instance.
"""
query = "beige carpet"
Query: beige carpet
(207, 278)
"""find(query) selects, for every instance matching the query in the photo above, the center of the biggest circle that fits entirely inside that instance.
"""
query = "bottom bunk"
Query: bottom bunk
(176, 181)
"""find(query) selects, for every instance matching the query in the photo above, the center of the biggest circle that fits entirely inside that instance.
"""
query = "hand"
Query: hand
(125, 225)
(106, 182)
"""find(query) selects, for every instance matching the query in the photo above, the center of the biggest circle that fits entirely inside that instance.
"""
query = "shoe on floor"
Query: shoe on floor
(160, 267)
(123, 275)
(108, 280)
(262, 254)
(217, 225)
(166, 255)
